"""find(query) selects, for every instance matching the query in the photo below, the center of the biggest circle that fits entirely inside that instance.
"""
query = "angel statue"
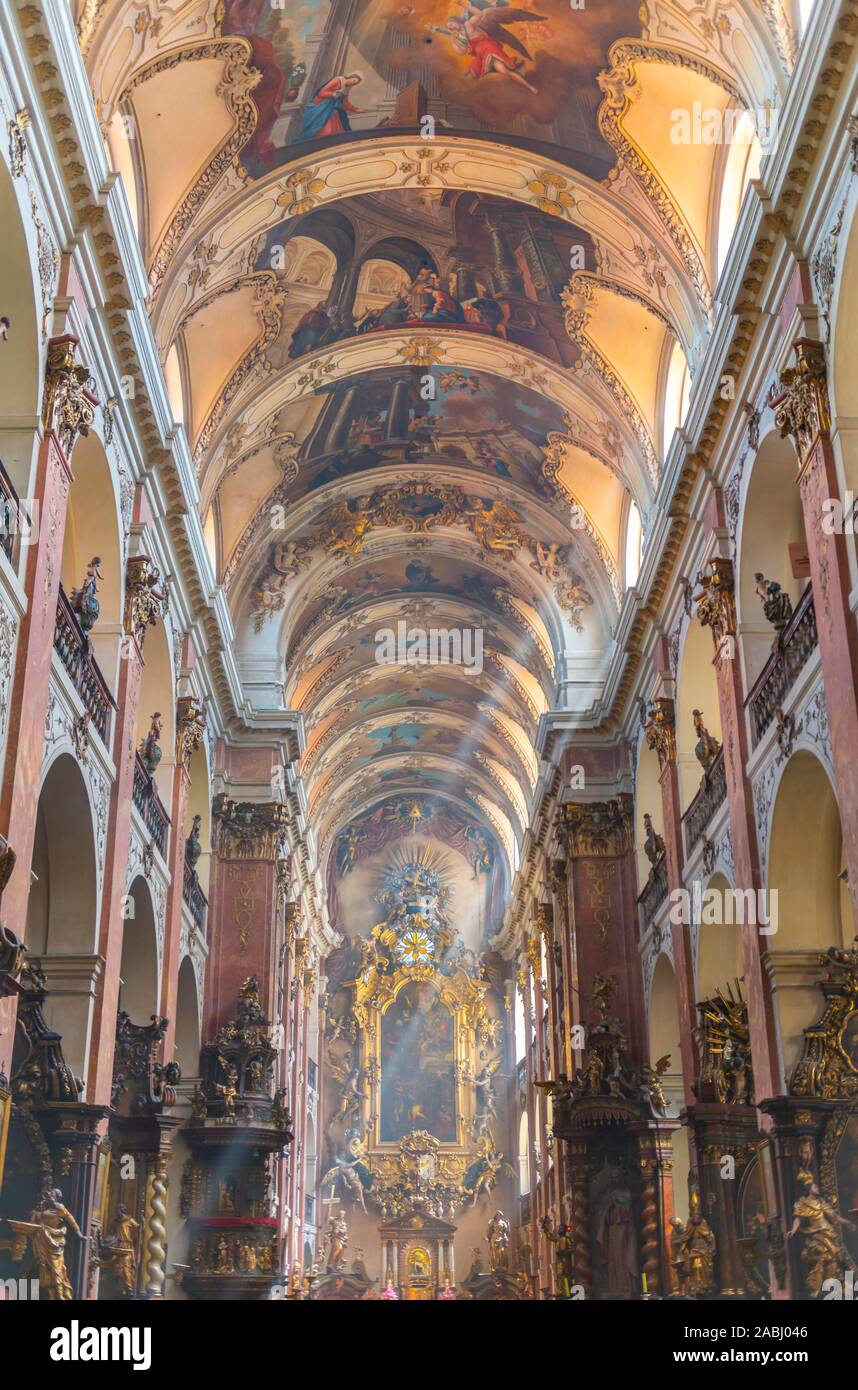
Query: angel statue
(482, 1176)
(486, 1093)
(494, 524)
(652, 1091)
(349, 1169)
(352, 1093)
(483, 37)
(83, 601)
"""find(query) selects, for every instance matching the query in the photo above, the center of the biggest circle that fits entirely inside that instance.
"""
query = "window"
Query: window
(634, 535)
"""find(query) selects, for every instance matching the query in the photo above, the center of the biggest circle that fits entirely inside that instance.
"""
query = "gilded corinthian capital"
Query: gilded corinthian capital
(716, 602)
(249, 829)
(660, 729)
(598, 829)
(68, 406)
(802, 408)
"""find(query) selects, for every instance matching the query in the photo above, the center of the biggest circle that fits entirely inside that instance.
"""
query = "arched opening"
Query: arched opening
(138, 989)
(664, 1034)
(187, 1050)
(199, 804)
(524, 1155)
(814, 910)
(633, 545)
(647, 802)
(19, 352)
(93, 528)
(771, 521)
(310, 1173)
(697, 688)
(742, 163)
(157, 696)
(62, 913)
(677, 393)
(720, 959)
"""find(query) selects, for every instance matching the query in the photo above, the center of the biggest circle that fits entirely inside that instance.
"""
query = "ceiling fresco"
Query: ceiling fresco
(332, 70)
(423, 276)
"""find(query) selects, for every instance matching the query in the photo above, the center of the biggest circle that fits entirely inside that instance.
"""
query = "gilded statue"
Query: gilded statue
(46, 1231)
(693, 1250)
(498, 1236)
(336, 1243)
(494, 524)
(818, 1222)
(229, 1089)
(119, 1255)
(483, 1174)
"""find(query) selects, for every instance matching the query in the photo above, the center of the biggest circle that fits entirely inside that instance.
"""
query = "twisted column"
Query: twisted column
(649, 1226)
(156, 1229)
(580, 1222)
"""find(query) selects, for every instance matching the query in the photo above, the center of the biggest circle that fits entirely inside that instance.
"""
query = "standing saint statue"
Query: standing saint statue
(47, 1230)
(497, 1235)
(819, 1223)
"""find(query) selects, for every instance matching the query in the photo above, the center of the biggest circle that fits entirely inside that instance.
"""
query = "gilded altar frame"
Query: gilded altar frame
(465, 998)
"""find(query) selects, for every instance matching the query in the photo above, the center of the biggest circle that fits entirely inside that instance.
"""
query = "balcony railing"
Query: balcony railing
(76, 655)
(151, 807)
(712, 794)
(655, 891)
(797, 643)
(195, 898)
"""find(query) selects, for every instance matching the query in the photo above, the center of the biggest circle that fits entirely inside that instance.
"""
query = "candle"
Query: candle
(643, 1281)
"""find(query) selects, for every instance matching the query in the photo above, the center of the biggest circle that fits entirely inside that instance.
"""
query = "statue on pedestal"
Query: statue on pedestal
(497, 1235)
(819, 1223)
(693, 1247)
(47, 1230)
(707, 748)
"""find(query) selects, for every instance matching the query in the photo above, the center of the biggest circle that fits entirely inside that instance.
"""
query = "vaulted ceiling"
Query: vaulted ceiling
(424, 295)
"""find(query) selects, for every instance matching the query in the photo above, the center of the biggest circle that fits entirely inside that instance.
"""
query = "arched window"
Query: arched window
(634, 536)
(742, 164)
(677, 392)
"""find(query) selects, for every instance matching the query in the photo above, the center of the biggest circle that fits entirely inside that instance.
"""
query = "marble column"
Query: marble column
(716, 609)
(661, 736)
(602, 885)
(139, 614)
(190, 729)
(68, 411)
(803, 412)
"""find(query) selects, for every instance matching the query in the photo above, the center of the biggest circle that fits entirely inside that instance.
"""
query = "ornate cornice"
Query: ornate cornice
(598, 829)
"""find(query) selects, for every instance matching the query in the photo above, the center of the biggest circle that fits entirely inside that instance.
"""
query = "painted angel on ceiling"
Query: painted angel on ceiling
(483, 37)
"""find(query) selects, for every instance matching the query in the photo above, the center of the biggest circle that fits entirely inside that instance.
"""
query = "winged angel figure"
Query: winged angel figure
(483, 37)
